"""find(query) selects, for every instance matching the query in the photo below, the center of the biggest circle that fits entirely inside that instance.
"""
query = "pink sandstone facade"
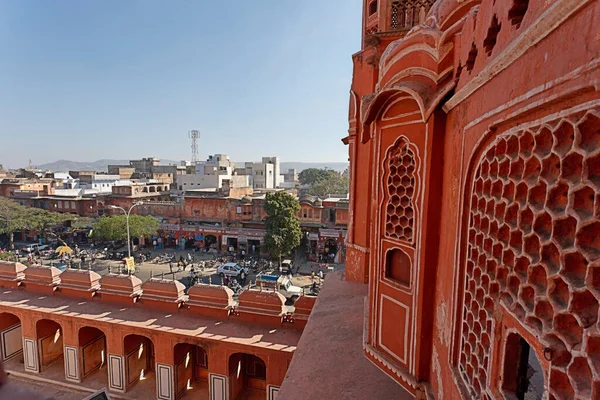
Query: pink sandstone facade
(474, 148)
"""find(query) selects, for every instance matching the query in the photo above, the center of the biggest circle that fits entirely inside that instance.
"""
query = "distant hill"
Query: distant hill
(299, 166)
(102, 165)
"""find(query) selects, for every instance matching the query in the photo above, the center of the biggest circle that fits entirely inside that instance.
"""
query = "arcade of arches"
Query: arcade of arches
(145, 340)
(475, 196)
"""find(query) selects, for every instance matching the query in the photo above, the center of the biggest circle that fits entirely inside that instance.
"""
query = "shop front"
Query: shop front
(312, 247)
(330, 247)
(247, 240)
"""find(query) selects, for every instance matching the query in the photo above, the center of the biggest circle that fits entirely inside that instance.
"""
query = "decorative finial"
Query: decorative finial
(109, 270)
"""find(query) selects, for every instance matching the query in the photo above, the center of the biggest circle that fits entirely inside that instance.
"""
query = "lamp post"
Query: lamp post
(139, 203)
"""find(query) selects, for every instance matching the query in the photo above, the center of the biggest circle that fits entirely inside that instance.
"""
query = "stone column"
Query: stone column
(218, 379)
(30, 355)
(71, 354)
(115, 363)
(30, 348)
(165, 376)
(276, 370)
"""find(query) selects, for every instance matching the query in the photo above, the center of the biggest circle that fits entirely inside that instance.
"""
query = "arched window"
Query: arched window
(397, 266)
(373, 7)
(401, 167)
(523, 376)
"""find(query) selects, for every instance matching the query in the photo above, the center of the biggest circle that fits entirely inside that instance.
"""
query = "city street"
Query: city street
(144, 271)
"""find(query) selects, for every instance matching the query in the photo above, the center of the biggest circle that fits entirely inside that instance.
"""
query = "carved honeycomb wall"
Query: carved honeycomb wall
(401, 167)
(534, 246)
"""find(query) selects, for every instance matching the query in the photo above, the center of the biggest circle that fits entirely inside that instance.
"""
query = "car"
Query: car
(282, 284)
(231, 269)
(32, 248)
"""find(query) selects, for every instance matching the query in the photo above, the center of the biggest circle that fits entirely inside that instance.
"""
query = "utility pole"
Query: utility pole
(194, 135)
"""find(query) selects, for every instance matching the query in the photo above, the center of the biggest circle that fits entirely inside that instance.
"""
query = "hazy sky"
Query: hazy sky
(85, 80)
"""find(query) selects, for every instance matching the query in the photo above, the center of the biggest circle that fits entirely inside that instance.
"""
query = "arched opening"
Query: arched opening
(373, 7)
(210, 241)
(523, 376)
(152, 189)
(191, 371)
(50, 344)
(397, 266)
(11, 340)
(139, 361)
(247, 376)
(330, 250)
(92, 354)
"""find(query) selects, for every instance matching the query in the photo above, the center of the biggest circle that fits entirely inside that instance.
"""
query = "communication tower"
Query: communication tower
(194, 135)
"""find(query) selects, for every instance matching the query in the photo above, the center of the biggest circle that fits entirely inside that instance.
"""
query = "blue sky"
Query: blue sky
(86, 80)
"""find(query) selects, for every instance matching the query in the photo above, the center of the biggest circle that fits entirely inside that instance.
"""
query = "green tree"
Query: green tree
(115, 227)
(335, 183)
(310, 176)
(282, 224)
(13, 217)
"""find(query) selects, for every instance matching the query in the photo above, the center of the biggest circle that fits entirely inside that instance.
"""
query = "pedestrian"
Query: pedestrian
(171, 267)
(243, 278)
(226, 280)
(154, 244)
(82, 259)
(321, 274)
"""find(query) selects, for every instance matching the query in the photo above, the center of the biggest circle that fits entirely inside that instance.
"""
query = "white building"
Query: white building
(191, 182)
(211, 174)
(217, 164)
(265, 174)
(103, 183)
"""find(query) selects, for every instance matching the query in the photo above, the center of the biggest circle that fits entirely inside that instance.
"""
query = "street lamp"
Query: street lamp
(139, 203)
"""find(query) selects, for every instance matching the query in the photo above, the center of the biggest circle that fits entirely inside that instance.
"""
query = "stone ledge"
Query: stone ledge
(330, 354)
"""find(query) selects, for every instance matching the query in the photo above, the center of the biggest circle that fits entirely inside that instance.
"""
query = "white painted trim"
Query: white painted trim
(71, 364)
(272, 392)
(218, 387)
(592, 65)
(30, 355)
(164, 382)
(554, 15)
(5, 332)
(412, 71)
(406, 347)
(116, 373)
(381, 358)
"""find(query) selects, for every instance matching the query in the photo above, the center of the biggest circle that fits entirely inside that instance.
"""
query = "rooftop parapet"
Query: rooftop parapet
(79, 283)
(40, 278)
(12, 274)
(120, 288)
(213, 300)
(163, 293)
(260, 306)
